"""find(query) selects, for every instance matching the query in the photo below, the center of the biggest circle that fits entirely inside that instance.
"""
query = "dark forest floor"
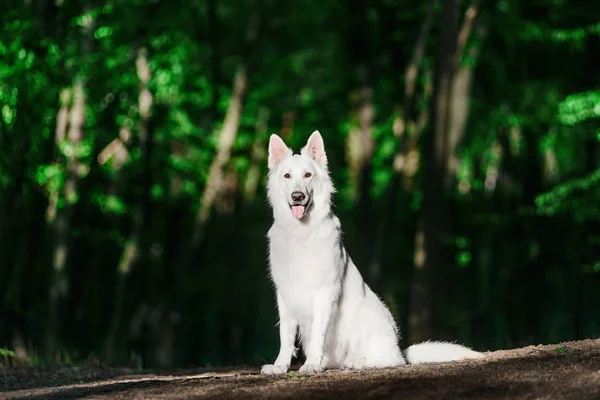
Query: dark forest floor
(567, 371)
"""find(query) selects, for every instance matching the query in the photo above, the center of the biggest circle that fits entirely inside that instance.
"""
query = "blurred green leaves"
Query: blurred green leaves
(579, 107)
(110, 203)
(51, 177)
(580, 197)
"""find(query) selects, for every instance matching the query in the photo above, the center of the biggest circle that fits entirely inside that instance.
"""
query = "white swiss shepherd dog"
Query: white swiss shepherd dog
(320, 293)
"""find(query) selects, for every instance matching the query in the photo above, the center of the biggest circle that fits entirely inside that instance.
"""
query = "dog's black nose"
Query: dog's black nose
(298, 196)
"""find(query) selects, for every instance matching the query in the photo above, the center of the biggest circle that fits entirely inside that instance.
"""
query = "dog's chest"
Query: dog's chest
(300, 267)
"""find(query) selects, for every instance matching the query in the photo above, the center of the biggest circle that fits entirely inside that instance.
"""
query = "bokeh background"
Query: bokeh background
(462, 136)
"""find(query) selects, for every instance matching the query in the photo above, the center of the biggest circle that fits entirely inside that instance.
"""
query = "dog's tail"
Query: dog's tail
(438, 352)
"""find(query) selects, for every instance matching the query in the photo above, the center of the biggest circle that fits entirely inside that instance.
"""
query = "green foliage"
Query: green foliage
(579, 197)
(51, 177)
(579, 107)
(6, 353)
(110, 203)
(293, 375)
(75, 150)
(572, 37)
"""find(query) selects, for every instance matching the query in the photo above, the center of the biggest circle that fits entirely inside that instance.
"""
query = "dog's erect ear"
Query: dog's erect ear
(277, 151)
(315, 148)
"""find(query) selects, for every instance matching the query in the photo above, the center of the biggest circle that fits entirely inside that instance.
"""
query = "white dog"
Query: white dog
(320, 293)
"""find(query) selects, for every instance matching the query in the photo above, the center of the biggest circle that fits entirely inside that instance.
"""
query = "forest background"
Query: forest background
(462, 136)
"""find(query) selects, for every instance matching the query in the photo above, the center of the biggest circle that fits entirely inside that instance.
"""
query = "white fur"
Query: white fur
(321, 295)
(435, 352)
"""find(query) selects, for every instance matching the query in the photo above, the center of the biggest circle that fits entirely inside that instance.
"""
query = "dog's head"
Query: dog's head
(299, 184)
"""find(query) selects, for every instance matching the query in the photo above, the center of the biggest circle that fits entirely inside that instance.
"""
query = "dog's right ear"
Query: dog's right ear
(277, 151)
(315, 149)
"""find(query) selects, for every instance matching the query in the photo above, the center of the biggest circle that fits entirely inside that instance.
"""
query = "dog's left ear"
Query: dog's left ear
(315, 148)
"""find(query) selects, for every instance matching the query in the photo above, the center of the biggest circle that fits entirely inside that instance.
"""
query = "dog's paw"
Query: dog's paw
(270, 369)
(310, 369)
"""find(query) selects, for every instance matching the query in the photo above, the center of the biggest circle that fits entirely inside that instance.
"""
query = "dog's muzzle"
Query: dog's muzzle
(300, 204)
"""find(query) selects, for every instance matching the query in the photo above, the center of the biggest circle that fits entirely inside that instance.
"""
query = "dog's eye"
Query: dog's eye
(287, 176)
(307, 175)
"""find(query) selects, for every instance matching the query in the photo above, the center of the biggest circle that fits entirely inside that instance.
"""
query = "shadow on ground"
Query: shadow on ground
(571, 370)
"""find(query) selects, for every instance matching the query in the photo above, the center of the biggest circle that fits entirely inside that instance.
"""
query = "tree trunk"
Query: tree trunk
(69, 137)
(131, 251)
(227, 135)
(11, 209)
(450, 111)
(258, 156)
(360, 151)
(403, 120)
(461, 88)
(434, 218)
(60, 218)
(360, 143)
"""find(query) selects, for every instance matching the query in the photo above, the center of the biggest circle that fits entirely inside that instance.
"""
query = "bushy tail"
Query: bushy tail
(437, 352)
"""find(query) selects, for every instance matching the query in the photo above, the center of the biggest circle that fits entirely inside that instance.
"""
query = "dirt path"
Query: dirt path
(567, 371)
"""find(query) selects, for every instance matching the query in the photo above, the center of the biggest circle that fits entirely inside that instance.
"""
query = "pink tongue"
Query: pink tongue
(298, 211)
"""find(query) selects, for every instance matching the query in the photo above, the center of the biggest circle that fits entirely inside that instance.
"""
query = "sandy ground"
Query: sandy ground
(565, 371)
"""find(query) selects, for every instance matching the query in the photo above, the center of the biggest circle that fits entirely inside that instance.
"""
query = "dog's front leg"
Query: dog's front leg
(288, 327)
(323, 304)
